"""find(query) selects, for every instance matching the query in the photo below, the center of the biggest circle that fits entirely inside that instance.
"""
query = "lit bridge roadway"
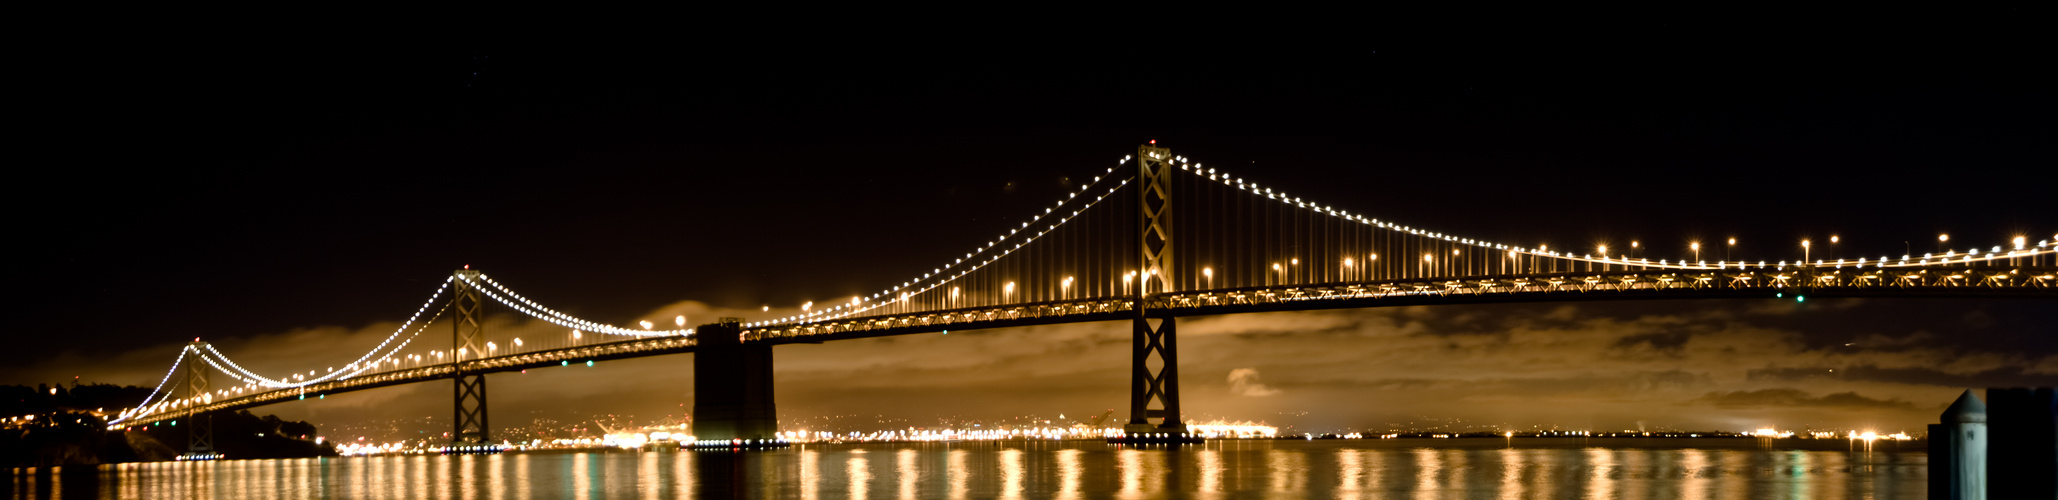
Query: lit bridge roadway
(1962, 282)
(1107, 252)
(2020, 282)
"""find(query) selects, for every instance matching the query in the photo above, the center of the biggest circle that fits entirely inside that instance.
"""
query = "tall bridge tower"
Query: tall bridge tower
(1154, 169)
(468, 340)
(199, 426)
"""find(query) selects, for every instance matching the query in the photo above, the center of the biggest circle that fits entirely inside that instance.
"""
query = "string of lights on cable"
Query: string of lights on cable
(353, 367)
(534, 310)
(160, 385)
(2018, 247)
(919, 284)
(351, 370)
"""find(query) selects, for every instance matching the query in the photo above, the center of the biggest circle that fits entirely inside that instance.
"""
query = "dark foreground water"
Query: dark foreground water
(1403, 468)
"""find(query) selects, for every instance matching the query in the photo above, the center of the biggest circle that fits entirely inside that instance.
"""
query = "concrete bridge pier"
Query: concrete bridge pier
(1958, 451)
(732, 385)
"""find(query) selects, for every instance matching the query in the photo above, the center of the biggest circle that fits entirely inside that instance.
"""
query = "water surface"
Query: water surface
(1392, 468)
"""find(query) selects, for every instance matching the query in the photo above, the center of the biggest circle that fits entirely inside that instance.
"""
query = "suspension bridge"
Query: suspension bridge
(1115, 249)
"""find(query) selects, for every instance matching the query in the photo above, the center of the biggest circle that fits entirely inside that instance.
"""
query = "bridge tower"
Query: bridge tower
(468, 340)
(732, 384)
(1161, 386)
(199, 426)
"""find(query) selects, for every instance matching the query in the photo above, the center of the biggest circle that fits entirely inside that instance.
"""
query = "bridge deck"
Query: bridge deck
(514, 362)
(1971, 281)
(1990, 282)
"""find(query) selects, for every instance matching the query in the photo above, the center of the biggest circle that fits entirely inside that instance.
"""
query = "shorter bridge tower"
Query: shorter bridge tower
(468, 341)
(732, 385)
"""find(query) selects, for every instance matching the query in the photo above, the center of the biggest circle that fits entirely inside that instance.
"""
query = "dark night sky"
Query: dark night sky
(228, 188)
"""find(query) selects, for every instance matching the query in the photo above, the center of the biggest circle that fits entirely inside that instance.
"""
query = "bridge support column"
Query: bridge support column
(468, 340)
(732, 385)
(1161, 385)
(199, 426)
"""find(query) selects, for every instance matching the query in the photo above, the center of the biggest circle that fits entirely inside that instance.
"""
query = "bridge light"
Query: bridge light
(1943, 238)
(1346, 262)
(681, 320)
(575, 336)
(1832, 238)
(2018, 242)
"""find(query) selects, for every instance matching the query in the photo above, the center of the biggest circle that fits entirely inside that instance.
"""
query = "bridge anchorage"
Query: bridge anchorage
(1234, 247)
(732, 390)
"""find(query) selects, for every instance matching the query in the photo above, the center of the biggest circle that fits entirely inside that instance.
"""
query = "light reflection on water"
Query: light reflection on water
(1453, 468)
